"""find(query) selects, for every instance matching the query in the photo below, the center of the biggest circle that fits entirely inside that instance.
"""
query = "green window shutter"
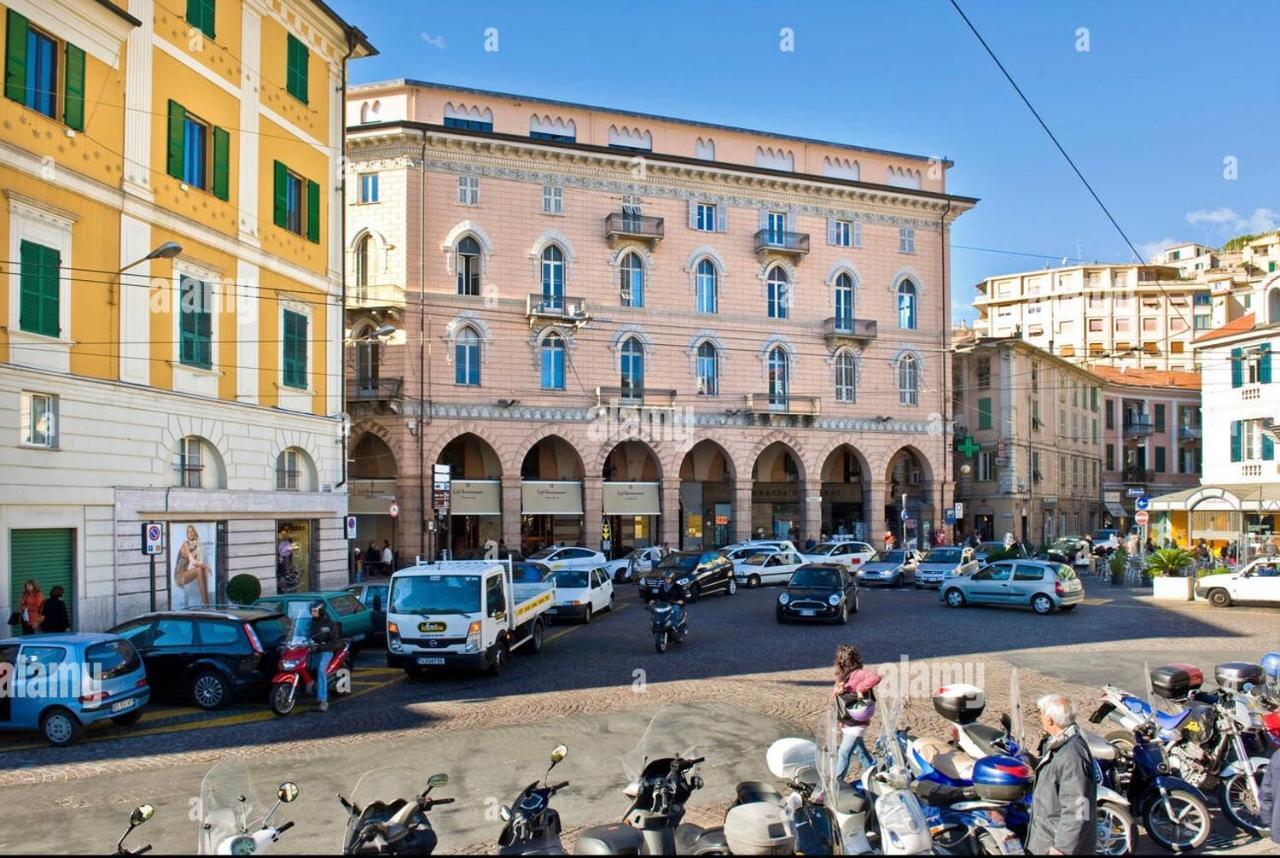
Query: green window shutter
(186, 322)
(295, 350)
(1264, 364)
(73, 99)
(200, 15)
(15, 57)
(204, 327)
(29, 277)
(221, 163)
(177, 139)
(281, 195)
(313, 211)
(1160, 459)
(1268, 447)
(1159, 417)
(40, 289)
(1237, 367)
(1235, 440)
(297, 61)
(984, 413)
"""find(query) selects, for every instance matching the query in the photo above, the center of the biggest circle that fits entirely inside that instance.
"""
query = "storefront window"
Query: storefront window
(295, 556)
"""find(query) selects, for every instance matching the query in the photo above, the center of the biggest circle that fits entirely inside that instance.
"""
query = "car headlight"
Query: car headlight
(833, 600)
(784, 599)
(683, 581)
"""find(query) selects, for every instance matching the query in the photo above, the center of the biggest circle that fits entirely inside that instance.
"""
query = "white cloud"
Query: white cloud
(1259, 220)
(1151, 249)
(433, 41)
(1218, 216)
(1262, 220)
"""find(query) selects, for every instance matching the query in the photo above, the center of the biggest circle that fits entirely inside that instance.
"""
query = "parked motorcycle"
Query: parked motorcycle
(140, 814)
(231, 818)
(381, 821)
(795, 762)
(665, 627)
(295, 676)
(532, 825)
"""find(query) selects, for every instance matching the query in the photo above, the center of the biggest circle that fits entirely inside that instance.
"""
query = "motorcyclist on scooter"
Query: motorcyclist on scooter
(326, 639)
(674, 593)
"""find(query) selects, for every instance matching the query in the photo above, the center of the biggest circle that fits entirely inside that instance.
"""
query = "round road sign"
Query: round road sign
(394, 510)
(1142, 516)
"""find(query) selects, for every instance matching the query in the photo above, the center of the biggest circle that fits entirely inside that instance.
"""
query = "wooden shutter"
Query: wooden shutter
(1235, 440)
(287, 348)
(15, 57)
(722, 217)
(296, 69)
(1264, 364)
(204, 327)
(73, 98)
(1268, 447)
(831, 230)
(295, 349)
(30, 257)
(313, 211)
(693, 214)
(281, 185)
(221, 164)
(186, 322)
(177, 139)
(1237, 368)
(200, 14)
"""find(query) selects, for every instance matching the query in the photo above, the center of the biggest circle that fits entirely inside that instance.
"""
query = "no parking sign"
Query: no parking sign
(152, 538)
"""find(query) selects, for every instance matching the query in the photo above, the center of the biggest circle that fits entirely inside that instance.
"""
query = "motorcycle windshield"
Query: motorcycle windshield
(298, 631)
(385, 785)
(1015, 708)
(229, 805)
(674, 731)
(827, 741)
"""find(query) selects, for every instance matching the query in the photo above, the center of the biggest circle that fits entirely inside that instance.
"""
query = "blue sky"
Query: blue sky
(1165, 92)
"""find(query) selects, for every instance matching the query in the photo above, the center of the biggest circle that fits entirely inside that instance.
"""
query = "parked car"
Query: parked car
(943, 562)
(985, 550)
(1037, 584)
(771, 566)
(893, 567)
(699, 572)
(757, 544)
(819, 591)
(372, 593)
(846, 552)
(46, 679)
(633, 564)
(556, 557)
(208, 656)
(582, 593)
(1259, 581)
(354, 618)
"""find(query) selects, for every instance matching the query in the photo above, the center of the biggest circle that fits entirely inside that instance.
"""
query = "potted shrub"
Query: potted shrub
(244, 589)
(1117, 563)
(1168, 569)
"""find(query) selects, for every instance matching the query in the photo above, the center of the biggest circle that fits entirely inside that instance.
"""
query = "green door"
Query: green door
(44, 555)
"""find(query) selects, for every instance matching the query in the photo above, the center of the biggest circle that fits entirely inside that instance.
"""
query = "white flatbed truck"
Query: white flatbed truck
(463, 614)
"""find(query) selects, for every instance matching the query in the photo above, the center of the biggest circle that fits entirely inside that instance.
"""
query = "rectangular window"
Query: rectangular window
(297, 203)
(190, 463)
(544, 135)
(983, 370)
(1150, 326)
(195, 323)
(552, 199)
(195, 156)
(1201, 322)
(843, 233)
(1095, 326)
(40, 289)
(1159, 414)
(469, 190)
(906, 240)
(1122, 326)
(369, 188)
(1111, 414)
(1161, 453)
(705, 217)
(984, 413)
(1111, 457)
(199, 154)
(294, 355)
(469, 124)
(985, 466)
(32, 75)
(296, 68)
(38, 413)
(200, 14)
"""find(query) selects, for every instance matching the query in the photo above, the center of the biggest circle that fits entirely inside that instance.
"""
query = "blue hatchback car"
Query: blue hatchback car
(59, 684)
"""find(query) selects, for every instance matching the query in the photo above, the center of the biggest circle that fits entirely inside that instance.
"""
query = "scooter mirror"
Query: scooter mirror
(287, 792)
(631, 790)
(141, 814)
(560, 752)
(504, 813)
(438, 780)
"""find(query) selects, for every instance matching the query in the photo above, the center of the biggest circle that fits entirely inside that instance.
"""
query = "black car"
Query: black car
(699, 572)
(819, 591)
(209, 655)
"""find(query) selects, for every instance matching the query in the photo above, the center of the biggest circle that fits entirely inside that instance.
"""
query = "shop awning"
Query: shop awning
(1116, 511)
(551, 498)
(1252, 497)
(475, 497)
(631, 499)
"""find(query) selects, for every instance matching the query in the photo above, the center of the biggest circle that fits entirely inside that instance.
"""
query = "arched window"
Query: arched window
(844, 302)
(1273, 306)
(632, 369)
(708, 370)
(466, 358)
(846, 378)
(779, 293)
(632, 281)
(468, 266)
(553, 278)
(196, 464)
(907, 305)
(362, 266)
(287, 470)
(552, 358)
(779, 380)
(908, 380)
(707, 283)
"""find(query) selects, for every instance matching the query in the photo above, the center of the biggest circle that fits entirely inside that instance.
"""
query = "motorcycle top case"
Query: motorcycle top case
(1000, 778)
(960, 703)
(759, 828)
(1233, 676)
(1271, 667)
(1176, 681)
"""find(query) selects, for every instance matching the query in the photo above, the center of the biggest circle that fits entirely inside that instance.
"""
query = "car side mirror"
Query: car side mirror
(287, 792)
(1006, 722)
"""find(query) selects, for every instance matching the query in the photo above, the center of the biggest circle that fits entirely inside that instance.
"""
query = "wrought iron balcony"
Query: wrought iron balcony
(1189, 433)
(840, 329)
(638, 227)
(784, 403)
(375, 389)
(1138, 426)
(779, 241)
(1134, 474)
(635, 397)
(547, 309)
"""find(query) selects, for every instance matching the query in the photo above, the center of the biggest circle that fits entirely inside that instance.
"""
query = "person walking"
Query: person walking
(1064, 806)
(30, 607)
(56, 617)
(855, 706)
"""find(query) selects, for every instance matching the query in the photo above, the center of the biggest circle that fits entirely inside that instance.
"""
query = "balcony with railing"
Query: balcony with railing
(548, 309)
(842, 329)
(784, 404)
(622, 225)
(1188, 433)
(1138, 426)
(628, 396)
(780, 241)
(1135, 474)
(375, 390)
(374, 295)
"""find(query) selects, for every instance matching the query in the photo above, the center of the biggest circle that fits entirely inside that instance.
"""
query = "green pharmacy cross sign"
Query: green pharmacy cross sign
(969, 447)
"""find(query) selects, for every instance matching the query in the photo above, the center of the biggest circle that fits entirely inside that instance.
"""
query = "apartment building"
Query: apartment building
(171, 345)
(1140, 316)
(620, 329)
(1027, 453)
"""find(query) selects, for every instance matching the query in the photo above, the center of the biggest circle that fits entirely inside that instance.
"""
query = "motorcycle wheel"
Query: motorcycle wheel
(1117, 835)
(660, 641)
(1237, 802)
(1187, 828)
(283, 698)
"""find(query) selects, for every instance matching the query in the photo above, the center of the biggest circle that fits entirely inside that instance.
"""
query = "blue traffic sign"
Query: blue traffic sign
(950, 516)
(904, 515)
(1142, 502)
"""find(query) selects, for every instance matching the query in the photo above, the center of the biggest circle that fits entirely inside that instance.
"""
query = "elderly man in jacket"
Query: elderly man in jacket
(1064, 807)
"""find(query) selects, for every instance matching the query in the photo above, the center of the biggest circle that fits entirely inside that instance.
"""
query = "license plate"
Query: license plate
(121, 705)
(430, 659)
(806, 613)
(1012, 846)
(431, 627)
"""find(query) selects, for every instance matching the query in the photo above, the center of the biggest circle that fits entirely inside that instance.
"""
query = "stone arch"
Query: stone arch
(798, 451)
(677, 467)
(843, 266)
(372, 456)
(926, 475)
(467, 319)
(605, 451)
(521, 450)
(482, 431)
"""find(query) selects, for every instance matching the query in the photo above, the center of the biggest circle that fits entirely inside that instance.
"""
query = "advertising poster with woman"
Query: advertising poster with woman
(193, 563)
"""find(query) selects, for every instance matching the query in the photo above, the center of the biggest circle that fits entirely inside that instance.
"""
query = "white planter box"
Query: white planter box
(1173, 589)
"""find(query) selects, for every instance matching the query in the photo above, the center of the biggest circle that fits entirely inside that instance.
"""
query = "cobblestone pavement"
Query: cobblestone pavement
(594, 686)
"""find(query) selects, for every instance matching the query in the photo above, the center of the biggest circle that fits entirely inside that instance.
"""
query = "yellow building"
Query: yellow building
(171, 314)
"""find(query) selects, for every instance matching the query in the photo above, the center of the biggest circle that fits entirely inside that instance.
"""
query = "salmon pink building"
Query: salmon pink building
(619, 329)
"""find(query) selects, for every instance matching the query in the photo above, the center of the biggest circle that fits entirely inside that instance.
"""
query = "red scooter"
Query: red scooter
(294, 676)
